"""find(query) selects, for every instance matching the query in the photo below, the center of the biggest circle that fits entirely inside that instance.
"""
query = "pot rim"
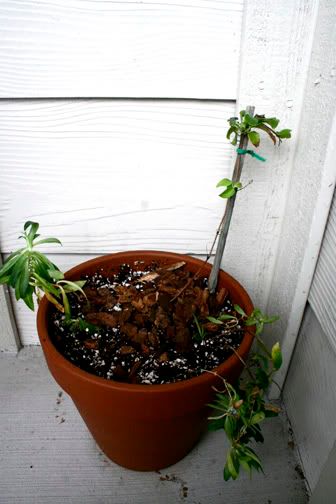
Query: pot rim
(207, 377)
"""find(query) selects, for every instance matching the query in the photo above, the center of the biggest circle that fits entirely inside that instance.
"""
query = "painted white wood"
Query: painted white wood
(288, 226)
(111, 175)
(48, 456)
(275, 58)
(76, 48)
(310, 397)
(9, 338)
(322, 294)
(325, 490)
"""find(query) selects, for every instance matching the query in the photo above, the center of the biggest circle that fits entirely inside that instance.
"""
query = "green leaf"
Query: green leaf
(215, 320)
(46, 286)
(13, 254)
(17, 269)
(276, 356)
(285, 133)
(270, 320)
(28, 224)
(224, 182)
(263, 379)
(259, 327)
(235, 140)
(269, 132)
(79, 283)
(55, 274)
(258, 417)
(254, 138)
(231, 130)
(5, 279)
(24, 280)
(226, 317)
(228, 193)
(245, 465)
(239, 310)
(66, 304)
(70, 286)
(253, 456)
(8, 264)
(28, 299)
(48, 240)
(251, 121)
(233, 121)
(17, 291)
(250, 321)
(231, 465)
(32, 232)
(230, 427)
(272, 121)
(226, 473)
(221, 402)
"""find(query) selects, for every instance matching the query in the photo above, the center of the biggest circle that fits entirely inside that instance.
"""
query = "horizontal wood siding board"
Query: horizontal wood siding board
(74, 48)
(322, 294)
(105, 175)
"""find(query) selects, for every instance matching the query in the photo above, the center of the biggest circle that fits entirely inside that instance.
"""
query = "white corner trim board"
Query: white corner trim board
(275, 56)
(314, 241)
(294, 80)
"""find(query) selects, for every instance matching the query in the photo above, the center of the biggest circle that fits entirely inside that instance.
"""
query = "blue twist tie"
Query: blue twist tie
(251, 153)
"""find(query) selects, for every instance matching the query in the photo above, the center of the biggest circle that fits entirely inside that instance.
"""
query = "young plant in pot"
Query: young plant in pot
(143, 341)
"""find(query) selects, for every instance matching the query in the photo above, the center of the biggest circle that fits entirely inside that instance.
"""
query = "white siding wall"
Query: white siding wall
(77, 48)
(107, 174)
(87, 151)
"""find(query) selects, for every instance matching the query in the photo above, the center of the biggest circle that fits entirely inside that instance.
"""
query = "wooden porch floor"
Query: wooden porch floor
(47, 455)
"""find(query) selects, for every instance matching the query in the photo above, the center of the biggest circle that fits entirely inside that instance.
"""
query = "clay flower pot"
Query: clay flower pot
(142, 427)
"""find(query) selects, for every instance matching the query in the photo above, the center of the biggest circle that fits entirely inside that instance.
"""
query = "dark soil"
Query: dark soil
(136, 326)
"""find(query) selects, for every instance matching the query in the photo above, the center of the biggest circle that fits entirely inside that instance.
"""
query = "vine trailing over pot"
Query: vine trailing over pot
(210, 315)
(241, 408)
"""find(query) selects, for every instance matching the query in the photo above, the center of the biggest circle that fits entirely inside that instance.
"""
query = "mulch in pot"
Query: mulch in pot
(136, 325)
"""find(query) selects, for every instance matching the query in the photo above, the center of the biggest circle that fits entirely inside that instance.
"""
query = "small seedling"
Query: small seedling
(29, 273)
(200, 335)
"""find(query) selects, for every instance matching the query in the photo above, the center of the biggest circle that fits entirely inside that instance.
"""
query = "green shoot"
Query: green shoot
(247, 124)
(200, 335)
(230, 187)
(239, 410)
(30, 273)
(257, 318)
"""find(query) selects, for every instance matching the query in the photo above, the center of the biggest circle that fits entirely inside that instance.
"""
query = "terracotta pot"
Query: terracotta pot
(142, 427)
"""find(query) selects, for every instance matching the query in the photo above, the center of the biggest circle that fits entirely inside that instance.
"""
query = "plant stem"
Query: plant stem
(225, 224)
